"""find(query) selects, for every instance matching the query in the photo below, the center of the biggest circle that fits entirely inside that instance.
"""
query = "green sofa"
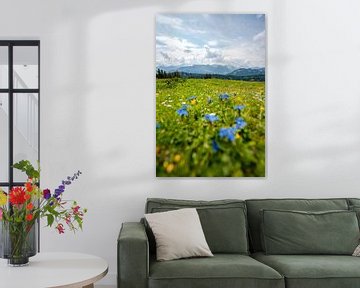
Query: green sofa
(234, 232)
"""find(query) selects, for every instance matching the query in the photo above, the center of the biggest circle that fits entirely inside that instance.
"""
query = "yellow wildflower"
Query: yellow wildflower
(170, 168)
(193, 102)
(3, 198)
(177, 158)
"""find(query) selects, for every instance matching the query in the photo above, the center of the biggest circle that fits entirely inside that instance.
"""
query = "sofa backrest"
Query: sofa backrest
(256, 205)
(353, 202)
(223, 221)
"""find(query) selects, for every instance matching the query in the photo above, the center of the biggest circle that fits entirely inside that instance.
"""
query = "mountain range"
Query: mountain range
(215, 70)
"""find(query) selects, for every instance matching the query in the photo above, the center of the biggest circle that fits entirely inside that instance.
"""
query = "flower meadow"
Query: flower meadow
(210, 128)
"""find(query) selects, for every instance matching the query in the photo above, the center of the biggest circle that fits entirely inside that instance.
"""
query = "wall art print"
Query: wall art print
(210, 95)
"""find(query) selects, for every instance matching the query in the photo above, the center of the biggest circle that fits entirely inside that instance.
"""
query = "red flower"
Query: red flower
(29, 187)
(27, 196)
(17, 196)
(68, 219)
(29, 206)
(60, 228)
(75, 209)
(29, 217)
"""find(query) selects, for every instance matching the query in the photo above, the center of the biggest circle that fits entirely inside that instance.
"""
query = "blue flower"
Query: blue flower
(158, 126)
(182, 112)
(211, 117)
(240, 123)
(215, 146)
(239, 107)
(228, 133)
(191, 98)
(224, 96)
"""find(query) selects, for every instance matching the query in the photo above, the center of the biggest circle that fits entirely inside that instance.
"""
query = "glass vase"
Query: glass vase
(18, 242)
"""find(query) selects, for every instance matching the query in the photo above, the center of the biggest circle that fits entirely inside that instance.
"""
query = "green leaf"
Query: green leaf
(26, 167)
(50, 219)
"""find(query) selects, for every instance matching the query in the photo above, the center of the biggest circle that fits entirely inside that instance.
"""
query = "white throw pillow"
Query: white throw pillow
(357, 251)
(178, 234)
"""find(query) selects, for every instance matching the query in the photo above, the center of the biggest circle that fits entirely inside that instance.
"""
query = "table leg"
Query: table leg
(89, 286)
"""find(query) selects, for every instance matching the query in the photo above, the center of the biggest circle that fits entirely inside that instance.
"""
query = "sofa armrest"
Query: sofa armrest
(133, 256)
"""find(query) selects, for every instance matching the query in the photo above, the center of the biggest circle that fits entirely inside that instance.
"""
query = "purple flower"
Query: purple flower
(211, 117)
(58, 191)
(46, 194)
(228, 133)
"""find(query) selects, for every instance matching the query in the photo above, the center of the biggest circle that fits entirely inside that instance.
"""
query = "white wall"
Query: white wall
(98, 117)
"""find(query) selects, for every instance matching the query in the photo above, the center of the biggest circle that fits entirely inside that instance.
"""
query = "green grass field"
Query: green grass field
(202, 134)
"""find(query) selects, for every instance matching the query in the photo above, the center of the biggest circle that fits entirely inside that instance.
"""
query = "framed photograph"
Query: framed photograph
(210, 95)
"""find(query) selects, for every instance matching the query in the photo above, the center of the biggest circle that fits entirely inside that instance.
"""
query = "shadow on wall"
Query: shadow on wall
(70, 88)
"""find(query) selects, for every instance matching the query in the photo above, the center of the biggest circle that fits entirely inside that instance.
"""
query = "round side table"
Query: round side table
(54, 270)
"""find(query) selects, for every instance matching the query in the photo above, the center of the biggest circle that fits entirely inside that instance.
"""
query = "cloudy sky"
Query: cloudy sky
(225, 39)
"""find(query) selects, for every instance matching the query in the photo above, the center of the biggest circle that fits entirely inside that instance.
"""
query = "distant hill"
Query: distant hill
(248, 72)
(215, 71)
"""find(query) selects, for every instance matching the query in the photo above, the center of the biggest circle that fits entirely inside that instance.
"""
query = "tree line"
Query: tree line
(162, 74)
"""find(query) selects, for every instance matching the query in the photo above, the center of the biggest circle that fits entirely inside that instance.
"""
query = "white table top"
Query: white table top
(45, 270)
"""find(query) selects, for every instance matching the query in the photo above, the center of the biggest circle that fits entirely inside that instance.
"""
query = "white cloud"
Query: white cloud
(245, 55)
(260, 36)
(174, 42)
(212, 43)
(175, 51)
(165, 55)
(213, 54)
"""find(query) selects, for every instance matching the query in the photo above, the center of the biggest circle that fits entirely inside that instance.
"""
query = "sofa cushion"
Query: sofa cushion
(356, 209)
(313, 271)
(178, 234)
(222, 270)
(223, 221)
(254, 207)
(297, 232)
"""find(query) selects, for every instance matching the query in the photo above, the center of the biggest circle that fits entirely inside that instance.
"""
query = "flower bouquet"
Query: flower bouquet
(21, 208)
